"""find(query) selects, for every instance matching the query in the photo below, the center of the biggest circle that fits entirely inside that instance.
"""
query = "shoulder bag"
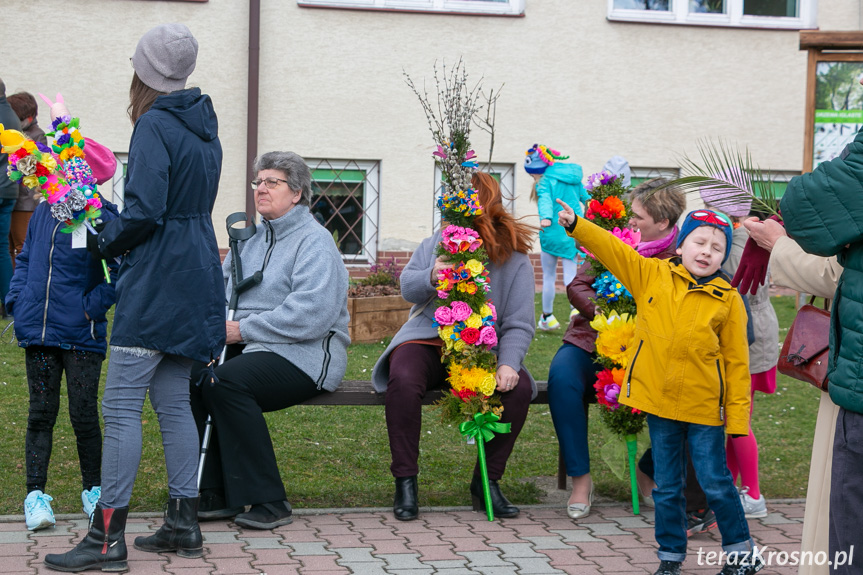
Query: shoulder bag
(804, 352)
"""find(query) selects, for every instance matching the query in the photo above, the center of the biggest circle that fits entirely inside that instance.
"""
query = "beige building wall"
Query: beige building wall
(332, 86)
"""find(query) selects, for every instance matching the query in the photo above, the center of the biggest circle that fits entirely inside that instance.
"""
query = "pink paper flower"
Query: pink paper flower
(627, 236)
(443, 315)
(487, 336)
(460, 311)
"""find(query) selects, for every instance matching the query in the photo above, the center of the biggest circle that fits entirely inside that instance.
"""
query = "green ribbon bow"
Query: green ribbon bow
(484, 425)
(482, 428)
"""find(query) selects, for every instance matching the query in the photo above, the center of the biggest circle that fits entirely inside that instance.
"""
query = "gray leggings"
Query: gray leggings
(167, 378)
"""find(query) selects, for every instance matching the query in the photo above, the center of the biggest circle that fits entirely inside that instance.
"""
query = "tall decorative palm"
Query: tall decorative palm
(722, 166)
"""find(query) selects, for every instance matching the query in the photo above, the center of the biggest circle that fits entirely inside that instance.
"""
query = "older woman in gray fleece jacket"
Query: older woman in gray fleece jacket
(411, 364)
(287, 344)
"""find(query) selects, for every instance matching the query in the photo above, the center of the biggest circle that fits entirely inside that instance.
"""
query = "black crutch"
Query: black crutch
(238, 286)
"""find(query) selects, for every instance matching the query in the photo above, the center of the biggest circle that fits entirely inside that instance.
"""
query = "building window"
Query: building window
(783, 14)
(345, 200)
(488, 7)
(503, 173)
(641, 175)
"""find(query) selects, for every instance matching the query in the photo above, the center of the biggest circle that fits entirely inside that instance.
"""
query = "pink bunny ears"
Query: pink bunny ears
(58, 108)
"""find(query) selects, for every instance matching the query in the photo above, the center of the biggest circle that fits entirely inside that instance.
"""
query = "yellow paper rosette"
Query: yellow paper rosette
(474, 321)
(616, 334)
(474, 266)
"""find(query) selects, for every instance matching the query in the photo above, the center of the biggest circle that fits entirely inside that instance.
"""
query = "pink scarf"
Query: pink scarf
(653, 247)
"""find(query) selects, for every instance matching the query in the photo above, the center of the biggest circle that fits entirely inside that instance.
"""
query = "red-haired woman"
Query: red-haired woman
(411, 365)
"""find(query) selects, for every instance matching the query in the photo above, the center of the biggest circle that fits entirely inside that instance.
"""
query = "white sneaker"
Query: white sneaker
(752, 508)
(548, 323)
(573, 312)
(89, 499)
(37, 511)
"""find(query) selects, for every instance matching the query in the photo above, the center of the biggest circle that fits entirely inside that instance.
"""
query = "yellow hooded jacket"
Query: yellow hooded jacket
(690, 357)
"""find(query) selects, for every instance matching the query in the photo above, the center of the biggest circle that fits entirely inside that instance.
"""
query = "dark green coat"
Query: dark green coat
(823, 212)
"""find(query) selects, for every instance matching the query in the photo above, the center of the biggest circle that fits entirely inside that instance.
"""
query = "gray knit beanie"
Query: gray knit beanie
(165, 57)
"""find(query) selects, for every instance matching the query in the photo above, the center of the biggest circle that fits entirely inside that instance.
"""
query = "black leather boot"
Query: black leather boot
(500, 505)
(405, 505)
(104, 546)
(179, 532)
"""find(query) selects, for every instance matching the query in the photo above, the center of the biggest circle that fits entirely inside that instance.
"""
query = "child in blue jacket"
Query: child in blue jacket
(59, 298)
(554, 180)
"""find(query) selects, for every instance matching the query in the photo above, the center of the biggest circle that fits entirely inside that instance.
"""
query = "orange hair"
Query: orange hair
(501, 233)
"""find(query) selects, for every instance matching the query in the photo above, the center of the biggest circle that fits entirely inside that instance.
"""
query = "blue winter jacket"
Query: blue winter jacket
(170, 295)
(560, 181)
(54, 285)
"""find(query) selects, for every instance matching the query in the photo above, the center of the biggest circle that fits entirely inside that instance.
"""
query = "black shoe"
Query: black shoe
(700, 521)
(179, 532)
(104, 546)
(266, 515)
(745, 563)
(500, 505)
(668, 568)
(405, 505)
(212, 506)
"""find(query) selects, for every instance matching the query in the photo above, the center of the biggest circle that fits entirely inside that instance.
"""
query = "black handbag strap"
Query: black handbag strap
(826, 302)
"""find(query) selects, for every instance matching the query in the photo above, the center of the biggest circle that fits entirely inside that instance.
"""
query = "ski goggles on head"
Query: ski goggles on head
(710, 217)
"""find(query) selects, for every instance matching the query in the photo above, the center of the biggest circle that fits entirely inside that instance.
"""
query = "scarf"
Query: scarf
(653, 247)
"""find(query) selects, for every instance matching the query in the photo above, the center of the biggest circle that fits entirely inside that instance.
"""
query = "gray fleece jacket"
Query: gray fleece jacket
(300, 309)
(512, 289)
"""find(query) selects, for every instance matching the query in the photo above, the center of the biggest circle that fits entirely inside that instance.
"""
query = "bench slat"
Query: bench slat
(358, 392)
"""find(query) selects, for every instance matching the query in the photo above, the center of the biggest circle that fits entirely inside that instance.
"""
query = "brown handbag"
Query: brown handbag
(804, 352)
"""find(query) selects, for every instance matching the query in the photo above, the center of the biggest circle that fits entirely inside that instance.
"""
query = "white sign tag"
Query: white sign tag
(79, 238)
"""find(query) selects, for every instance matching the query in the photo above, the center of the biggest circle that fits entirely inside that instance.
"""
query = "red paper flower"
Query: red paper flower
(470, 335)
(464, 394)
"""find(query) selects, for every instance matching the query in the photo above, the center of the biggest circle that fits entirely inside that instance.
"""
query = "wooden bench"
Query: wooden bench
(356, 392)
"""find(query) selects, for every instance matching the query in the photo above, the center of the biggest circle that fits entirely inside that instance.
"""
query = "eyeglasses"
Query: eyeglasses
(271, 183)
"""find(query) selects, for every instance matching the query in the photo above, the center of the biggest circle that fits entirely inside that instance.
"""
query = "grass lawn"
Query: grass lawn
(339, 456)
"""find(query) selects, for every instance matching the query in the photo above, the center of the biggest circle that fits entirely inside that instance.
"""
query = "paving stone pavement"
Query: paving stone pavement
(541, 541)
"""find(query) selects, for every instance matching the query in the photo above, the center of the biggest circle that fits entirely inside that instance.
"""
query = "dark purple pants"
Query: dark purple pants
(416, 368)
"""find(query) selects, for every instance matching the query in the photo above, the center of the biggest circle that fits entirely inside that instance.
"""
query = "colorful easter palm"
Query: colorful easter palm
(465, 316)
(63, 177)
(615, 318)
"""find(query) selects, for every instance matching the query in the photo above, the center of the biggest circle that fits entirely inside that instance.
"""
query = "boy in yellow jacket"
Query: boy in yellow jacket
(688, 370)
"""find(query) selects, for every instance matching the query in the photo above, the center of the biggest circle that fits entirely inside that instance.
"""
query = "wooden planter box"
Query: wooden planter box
(374, 318)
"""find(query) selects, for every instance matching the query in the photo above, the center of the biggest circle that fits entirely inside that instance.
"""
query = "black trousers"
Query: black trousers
(240, 460)
(416, 368)
(846, 495)
(45, 368)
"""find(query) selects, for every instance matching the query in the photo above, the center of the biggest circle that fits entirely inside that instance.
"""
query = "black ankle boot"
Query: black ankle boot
(179, 532)
(405, 506)
(104, 546)
(500, 505)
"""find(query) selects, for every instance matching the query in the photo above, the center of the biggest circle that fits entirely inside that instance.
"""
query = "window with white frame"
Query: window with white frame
(503, 173)
(488, 7)
(783, 14)
(346, 201)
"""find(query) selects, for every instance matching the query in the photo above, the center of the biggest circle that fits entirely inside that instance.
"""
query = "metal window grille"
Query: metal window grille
(346, 201)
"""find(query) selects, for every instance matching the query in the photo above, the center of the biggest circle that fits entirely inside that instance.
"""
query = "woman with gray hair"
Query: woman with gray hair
(288, 343)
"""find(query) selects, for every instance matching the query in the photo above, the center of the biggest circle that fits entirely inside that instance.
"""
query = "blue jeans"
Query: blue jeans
(571, 374)
(707, 448)
(6, 207)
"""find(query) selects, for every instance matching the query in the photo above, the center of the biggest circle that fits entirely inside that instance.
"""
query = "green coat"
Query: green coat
(823, 212)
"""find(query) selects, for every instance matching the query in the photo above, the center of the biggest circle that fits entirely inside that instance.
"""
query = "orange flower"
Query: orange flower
(615, 206)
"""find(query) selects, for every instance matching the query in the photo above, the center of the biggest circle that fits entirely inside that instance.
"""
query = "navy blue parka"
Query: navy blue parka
(58, 294)
(170, 294)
